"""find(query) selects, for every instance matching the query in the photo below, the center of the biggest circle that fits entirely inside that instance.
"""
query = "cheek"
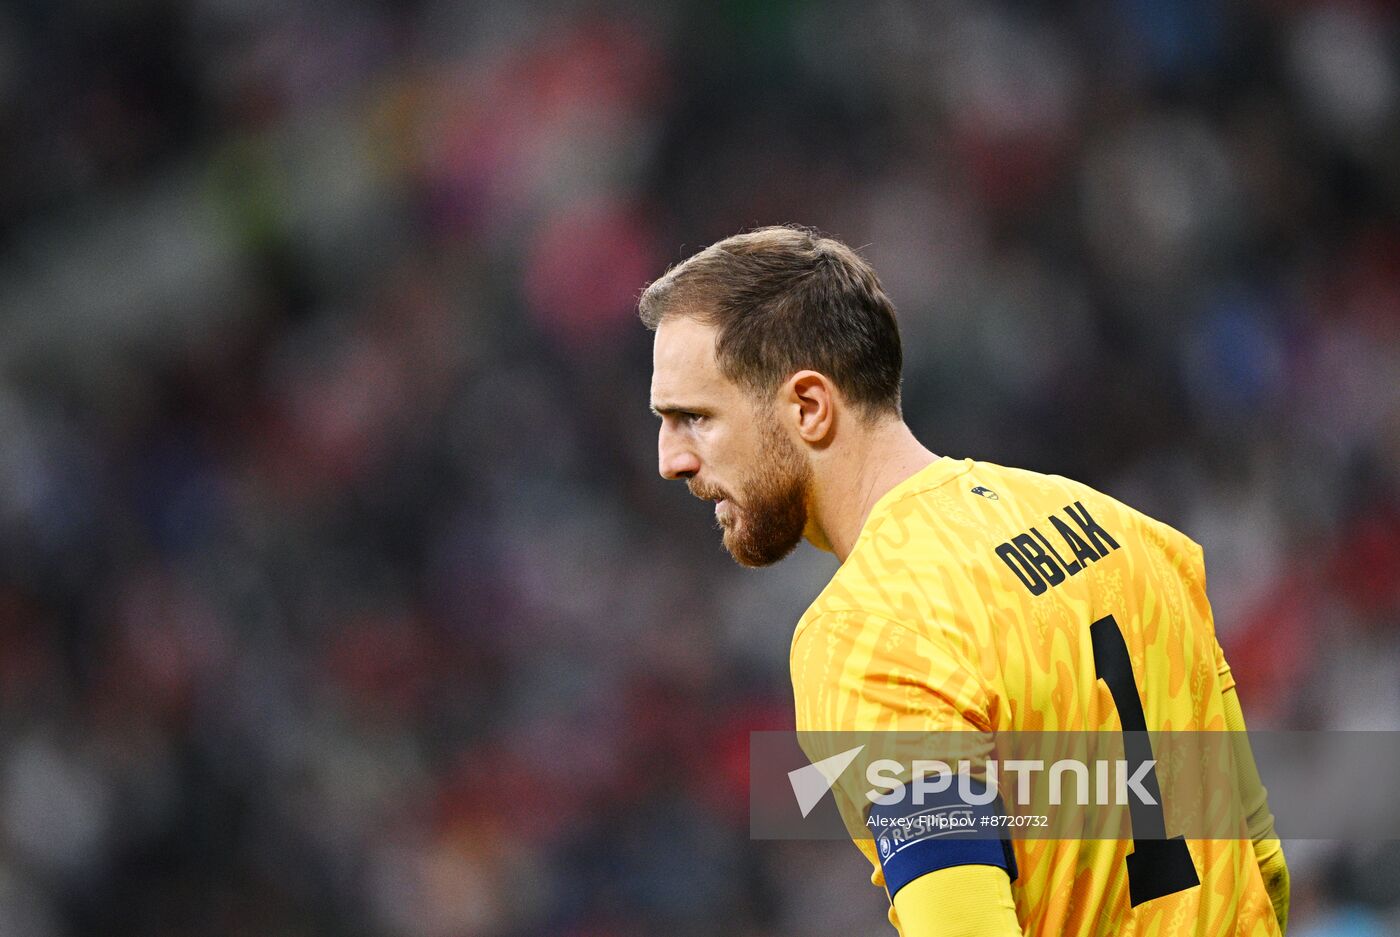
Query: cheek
(729, 454)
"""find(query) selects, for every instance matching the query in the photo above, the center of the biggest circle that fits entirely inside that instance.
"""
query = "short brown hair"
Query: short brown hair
(785, 299)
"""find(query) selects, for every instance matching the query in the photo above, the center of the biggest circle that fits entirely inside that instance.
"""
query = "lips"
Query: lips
(722, 511)
(723, 507)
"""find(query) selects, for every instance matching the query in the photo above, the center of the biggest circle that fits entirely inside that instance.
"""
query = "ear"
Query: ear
(809, 398)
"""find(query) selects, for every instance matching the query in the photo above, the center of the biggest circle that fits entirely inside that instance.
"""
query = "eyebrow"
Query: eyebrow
(666, 409)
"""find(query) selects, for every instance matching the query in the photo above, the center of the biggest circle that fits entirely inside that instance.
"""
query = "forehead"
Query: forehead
(683, 363)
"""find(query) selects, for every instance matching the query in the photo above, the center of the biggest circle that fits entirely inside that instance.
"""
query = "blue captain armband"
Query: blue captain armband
(945, 830)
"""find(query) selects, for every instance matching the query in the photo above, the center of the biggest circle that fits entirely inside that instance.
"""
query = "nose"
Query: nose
(674, 457)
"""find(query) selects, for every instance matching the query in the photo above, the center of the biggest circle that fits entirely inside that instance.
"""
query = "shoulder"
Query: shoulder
(857, 669)
(827, 624)
(1044, 494)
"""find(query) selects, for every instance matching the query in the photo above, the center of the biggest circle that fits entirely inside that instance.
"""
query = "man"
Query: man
(776, 378)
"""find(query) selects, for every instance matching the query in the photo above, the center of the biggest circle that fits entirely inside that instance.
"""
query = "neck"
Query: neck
(848, 486)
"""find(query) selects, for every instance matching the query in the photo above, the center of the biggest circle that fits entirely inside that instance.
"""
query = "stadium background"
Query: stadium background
(338, 592)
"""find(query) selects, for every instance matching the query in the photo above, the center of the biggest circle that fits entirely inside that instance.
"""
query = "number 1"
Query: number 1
(1157, 866)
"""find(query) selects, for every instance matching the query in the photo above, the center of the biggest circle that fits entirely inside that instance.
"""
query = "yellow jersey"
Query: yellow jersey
(975, 598)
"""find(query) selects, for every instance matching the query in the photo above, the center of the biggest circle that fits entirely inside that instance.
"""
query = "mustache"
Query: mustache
(705, 492)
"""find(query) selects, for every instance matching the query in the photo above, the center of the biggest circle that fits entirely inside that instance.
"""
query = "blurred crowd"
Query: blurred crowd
(338, 591)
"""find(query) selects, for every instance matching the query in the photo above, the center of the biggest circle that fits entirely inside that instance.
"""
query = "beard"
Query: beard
(770, 522)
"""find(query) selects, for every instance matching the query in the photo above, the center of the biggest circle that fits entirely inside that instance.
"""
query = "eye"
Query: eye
(691, 419)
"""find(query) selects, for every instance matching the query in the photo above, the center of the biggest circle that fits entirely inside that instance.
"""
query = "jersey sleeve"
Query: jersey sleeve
(852, 671)
(1222, 668)
(957, 902)
(864, 680)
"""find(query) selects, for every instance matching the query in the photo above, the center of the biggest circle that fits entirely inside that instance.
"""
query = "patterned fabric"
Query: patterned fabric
(966, 604)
